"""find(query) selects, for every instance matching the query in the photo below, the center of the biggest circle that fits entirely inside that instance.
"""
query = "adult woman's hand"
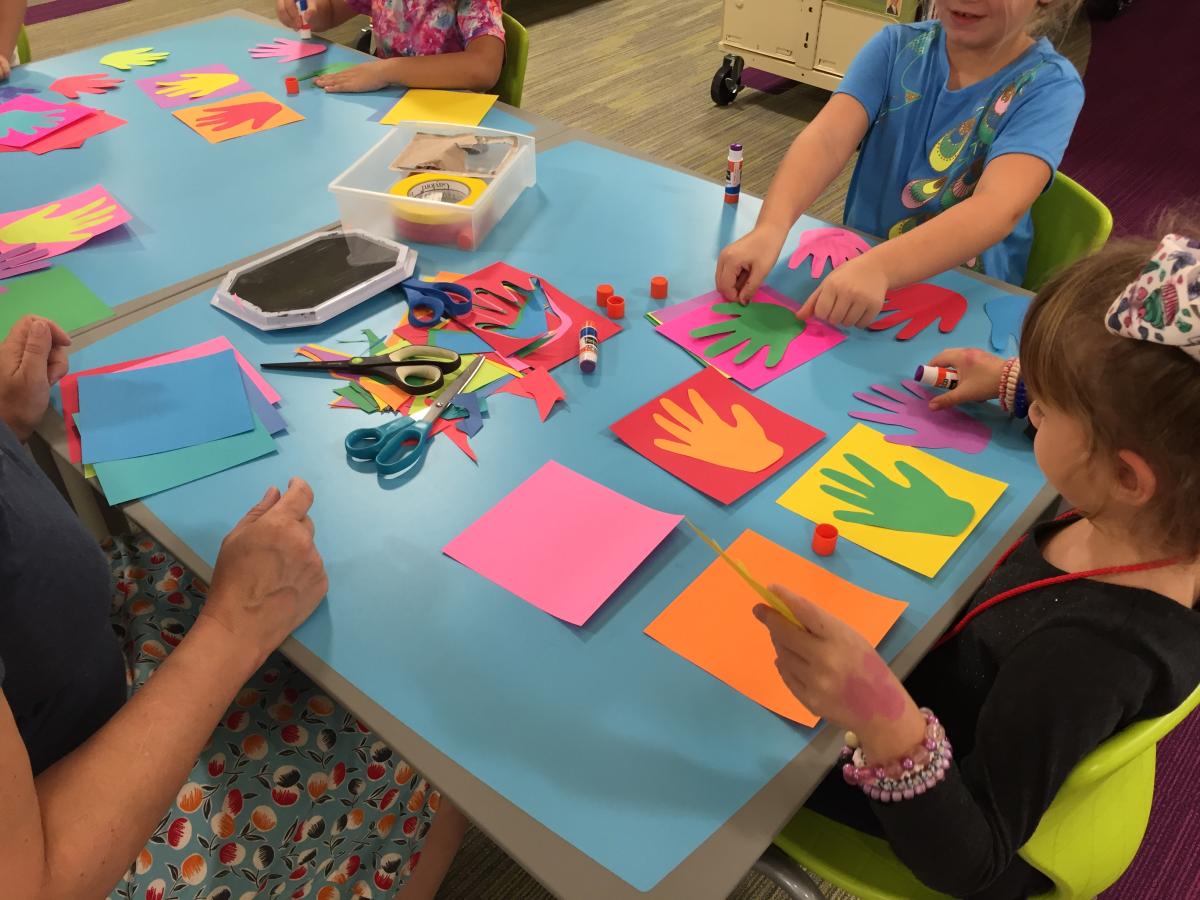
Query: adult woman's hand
(32, 358)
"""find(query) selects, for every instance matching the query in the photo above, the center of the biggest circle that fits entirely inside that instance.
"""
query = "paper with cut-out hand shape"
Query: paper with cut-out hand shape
(827, 245)
(714, 436)
(64, 224)
(23, 260)
(1007, 314)
(920, 305)
(72, 86)
(752, 371)
(712, 624)
(941, 429)
(237, 117)
(55, 293)
(540, 387)
(127, 59)
(72, 136)
(566, 568)
(176, 89)
(886, 512)
(287, 50)
(26, 120)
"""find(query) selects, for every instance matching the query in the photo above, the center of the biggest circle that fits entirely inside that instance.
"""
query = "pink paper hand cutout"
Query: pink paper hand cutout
(74, 85)
(945, 429)
(835, 245)
(23, 259)
(286, 50)
(919, 305)
(226, 117)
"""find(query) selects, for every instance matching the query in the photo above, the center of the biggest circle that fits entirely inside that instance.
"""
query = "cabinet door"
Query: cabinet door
(783, 29)
(843, 32)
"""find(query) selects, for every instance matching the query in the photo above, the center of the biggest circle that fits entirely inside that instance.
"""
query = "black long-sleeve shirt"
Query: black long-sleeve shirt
(1025, 692)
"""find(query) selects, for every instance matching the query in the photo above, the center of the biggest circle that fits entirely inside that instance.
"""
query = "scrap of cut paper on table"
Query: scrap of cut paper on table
(930, 429)
(540, 387)
(712, 624)
(23, 260)
(450, 107)
(1006, 314)
(904, 504)
(285, 50)
(920, 305)
(832, 246)
(72, 136)
(176, 89)
(25, 120)
(237, 116)
(753, 344)
(64, 224)
(332, 69)
(588, 540)
(56, 294)
(713, 435)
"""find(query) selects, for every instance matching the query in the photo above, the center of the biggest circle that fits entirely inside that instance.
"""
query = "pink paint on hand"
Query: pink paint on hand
(874, 691)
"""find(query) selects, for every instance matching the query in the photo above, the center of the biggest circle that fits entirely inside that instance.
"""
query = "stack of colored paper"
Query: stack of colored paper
(37, 126)
(150, 424)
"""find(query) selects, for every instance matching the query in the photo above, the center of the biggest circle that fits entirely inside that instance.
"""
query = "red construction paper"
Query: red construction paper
(540, 387)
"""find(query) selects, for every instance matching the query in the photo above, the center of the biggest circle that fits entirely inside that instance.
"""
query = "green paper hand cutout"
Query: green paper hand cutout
(920, 507)
(756, 325)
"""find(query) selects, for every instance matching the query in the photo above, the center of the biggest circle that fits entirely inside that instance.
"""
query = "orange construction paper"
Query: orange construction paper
(237, 116)
(711, 624)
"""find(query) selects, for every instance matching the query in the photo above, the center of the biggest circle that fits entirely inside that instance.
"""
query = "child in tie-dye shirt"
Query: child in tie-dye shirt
(421, 43)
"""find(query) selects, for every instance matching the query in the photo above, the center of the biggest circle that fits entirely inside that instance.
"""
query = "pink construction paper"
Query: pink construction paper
(70, 112)
(208, 348)
(72, 136)
(150, 86)
(754, 373)
(64, 208)
(585, 541)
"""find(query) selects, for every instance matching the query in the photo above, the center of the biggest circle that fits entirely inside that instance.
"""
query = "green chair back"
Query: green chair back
(511, 84)
(1084, 842)
(1068, 224)
(23, 55)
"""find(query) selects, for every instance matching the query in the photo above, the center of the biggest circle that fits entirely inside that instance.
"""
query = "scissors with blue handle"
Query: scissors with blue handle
(415, 369)
(399, 445)
(430, 302)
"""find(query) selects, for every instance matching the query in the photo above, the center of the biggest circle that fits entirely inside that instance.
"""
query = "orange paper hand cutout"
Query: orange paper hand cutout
(706, 436)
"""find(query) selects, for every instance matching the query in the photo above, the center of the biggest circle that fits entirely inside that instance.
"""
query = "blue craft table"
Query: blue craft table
(605, 764)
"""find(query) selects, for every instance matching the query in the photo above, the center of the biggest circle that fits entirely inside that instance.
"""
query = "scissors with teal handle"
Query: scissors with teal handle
(416, 369)
(399, 445)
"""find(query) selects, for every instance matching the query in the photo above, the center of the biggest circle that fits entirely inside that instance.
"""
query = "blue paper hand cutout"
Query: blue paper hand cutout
(1007, 313)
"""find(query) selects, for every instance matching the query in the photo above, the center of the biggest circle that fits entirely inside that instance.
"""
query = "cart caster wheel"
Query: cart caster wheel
(727, 83)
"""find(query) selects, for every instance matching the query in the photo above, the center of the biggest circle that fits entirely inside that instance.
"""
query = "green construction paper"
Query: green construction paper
(56, 293)
(131, 479)
(332, 69)
(359, 397)
(920, 507)
(376, 346)
(756, 325)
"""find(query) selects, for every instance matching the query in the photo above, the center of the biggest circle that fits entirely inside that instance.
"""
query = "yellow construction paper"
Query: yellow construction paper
(924, 553)
(450, 107)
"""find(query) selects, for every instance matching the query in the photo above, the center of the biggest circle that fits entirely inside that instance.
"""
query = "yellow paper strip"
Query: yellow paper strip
(778, 605)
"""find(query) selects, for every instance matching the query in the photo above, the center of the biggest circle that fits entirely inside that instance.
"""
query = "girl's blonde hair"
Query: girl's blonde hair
(1132, 395)
(1054, 19)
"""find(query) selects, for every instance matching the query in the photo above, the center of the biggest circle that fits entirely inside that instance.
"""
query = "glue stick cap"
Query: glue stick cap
(615, 307)
(658, 287)
(825, 538)
(292, 85)
(603, 292)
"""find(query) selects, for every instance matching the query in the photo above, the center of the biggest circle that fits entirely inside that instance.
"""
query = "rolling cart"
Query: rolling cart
(811, 41)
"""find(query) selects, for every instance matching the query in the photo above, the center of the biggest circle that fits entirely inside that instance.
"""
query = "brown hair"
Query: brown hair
(1133, 395)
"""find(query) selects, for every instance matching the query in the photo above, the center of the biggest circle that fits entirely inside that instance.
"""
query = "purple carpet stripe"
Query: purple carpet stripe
(58, 9)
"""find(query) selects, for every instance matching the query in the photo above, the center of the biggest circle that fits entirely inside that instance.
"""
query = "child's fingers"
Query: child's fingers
(807, 310)
(749, 280)
(807, 613)
(953, 357)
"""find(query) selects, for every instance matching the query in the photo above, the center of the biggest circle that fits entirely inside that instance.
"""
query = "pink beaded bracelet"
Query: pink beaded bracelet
(905, 778)
(1002, 390)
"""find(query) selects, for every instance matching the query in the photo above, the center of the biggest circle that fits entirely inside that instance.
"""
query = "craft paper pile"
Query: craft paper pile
(150, 424)
(31, 125)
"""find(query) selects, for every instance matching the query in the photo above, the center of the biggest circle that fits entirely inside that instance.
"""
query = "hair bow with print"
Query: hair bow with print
(1163, 304)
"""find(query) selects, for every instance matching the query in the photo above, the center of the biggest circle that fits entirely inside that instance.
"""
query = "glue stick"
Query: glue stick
(945, 377)
(733, 174)
(305, 31)
(589, 346)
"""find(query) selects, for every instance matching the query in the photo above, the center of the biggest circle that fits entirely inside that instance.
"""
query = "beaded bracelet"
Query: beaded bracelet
(905, 778)
(1020, 401)
(1002, 391)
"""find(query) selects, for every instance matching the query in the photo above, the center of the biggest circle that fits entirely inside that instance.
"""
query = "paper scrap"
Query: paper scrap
(237, 117)
(540, 387)
(55, 293)
(72, 136)
(450, 107)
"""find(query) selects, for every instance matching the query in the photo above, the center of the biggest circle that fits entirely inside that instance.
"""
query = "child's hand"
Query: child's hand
(5, 67)
(371, 76)
(833, 671)
(744, 264)
(978, 376)
(288, 14)
(851, 295)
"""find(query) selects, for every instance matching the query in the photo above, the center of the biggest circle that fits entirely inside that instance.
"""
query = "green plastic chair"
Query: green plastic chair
(1084, 842)
(1069, 223)
(23, 55)
(511, 84)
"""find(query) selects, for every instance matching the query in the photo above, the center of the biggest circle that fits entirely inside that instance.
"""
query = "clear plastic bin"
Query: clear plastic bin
(429, 207)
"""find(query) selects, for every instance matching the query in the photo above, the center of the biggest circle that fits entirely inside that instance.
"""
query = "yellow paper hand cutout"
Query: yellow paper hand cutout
(195, 85)
(43, 227)
(705, 436)
(127, 59)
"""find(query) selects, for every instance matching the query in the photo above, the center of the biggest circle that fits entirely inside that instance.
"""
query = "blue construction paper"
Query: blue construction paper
(1006, 313)
(271, 417)
(461, 342)
(474, 421)
(137, 412)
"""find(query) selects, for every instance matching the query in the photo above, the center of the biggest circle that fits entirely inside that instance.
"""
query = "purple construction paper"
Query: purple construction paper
(150, 85)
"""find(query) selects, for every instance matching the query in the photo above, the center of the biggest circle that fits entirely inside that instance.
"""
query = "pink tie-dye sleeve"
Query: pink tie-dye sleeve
(479, 17)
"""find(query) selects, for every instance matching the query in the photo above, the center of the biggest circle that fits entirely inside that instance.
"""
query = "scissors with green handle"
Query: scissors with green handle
(401, 444)
(415, 369)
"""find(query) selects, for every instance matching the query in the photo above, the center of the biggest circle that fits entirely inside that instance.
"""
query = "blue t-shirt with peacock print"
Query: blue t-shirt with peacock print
(927, 145)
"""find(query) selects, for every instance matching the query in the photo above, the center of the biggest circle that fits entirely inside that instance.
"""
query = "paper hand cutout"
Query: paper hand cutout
(706, 436)
(226, 117)
(127, 59)
(1007, 315)
(921, 506)
(920, 305)
(26, 121)
(44, 227)
(756, 325)
(286, 50)
(932, 429)
(832, 245)
(74, 85)
(23, 259)
(195, 85)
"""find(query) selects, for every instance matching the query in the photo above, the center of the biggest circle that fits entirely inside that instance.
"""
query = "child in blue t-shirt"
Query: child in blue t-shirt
(960, 124)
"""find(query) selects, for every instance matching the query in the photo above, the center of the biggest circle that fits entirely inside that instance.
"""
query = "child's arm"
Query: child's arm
(322, 14)
(475, 69)
(854, 292)
(12, 14)
(816, 156)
